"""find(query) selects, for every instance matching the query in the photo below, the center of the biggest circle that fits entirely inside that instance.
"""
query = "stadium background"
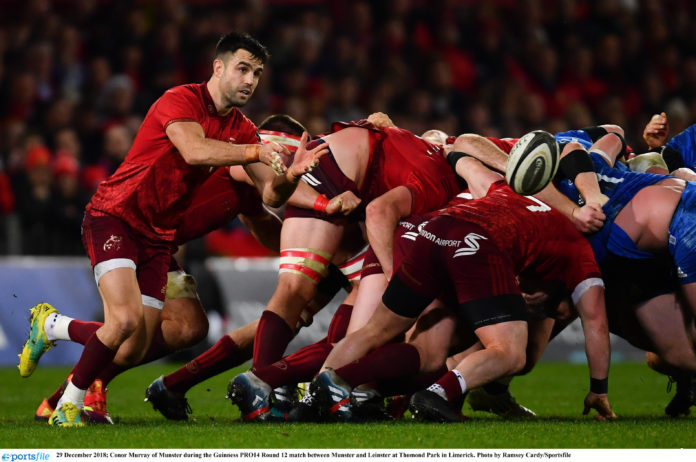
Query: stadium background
(77, 76)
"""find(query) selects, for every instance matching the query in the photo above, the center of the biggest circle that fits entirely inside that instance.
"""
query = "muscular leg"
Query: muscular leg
(663, 321)
(383, 326)
(295, 286)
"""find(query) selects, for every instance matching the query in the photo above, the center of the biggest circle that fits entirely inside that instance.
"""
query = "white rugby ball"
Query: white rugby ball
(532, 163)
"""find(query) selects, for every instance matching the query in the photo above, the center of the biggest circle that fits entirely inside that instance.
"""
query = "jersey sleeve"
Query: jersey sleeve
(685, 143)
(179, 104)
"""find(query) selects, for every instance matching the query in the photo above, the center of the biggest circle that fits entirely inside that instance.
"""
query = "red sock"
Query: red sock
(81, 331)
(390, 361)
(411, 384)
(300, 366)
(339, 323)
(95, 357)
(272, 337)
(450, 383)
(109, 372)
(224, 355)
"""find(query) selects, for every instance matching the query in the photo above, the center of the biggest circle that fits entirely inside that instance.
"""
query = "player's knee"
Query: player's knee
(121, 326)
(511, 360)
(193, 331)
(293, 286)
(682, 358)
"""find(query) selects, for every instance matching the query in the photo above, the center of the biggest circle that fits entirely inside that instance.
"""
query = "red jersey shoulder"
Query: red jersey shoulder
(181, 103)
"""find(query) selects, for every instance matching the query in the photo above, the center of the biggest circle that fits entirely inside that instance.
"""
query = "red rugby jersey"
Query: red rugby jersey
(400, 158)
(538, 240)
(152, 188)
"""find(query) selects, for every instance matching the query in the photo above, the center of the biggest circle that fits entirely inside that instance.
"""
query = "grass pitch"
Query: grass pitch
(553, 390)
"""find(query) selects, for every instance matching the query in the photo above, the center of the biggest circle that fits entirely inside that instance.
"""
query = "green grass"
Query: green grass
(554, 390)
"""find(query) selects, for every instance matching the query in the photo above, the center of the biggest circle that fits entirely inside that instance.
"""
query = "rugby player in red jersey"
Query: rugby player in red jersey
(130, 224)
(474, 252)
(393, 171)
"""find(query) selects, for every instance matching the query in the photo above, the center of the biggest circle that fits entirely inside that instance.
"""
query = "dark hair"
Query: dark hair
(282, 123)
(241, 40)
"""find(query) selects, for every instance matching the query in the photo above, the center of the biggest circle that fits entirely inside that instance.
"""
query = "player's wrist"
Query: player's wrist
(599, 386)
(252, 153)
(292, 177)
(321, 203)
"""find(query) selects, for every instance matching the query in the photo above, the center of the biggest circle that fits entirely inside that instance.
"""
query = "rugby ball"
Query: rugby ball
(532, 163)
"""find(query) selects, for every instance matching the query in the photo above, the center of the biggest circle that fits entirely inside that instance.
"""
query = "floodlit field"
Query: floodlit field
(555, 391)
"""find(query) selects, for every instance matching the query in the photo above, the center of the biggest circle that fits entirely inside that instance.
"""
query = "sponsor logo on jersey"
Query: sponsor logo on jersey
(471, 240)
(438, 241)
(681, 274)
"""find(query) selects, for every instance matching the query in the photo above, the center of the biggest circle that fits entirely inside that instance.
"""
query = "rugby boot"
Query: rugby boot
(397, 406)
(253, 397)
(503, 404)
(332, 394)
(684, 398)
(170, 405)
(67, 415)
(95, 404)
(38, 343)
(427, 405)
(305, 410)
(367, 405)
(44, 411)
(283, 400)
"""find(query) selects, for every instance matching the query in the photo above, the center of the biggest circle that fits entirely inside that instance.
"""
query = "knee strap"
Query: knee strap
(310, 263)
(574, 163)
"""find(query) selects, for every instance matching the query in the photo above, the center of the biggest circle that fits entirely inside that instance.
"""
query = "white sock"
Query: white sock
(56, 326)
(462, 382)
(74, 395)
(436, 388)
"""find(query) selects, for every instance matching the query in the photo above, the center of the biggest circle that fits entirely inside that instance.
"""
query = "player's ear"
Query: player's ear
(218, 67)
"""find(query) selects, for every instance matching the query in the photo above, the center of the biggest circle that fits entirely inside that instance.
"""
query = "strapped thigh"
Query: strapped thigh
(310, 263)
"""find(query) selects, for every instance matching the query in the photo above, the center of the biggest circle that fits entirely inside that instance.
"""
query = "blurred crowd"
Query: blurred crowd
(78, 76)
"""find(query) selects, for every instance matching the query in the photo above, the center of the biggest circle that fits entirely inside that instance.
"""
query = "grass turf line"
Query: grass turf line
(553, 390)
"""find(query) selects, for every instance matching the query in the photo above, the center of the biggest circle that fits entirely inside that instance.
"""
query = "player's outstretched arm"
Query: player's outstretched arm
(276, 186)
(589, 302)
(481, 148)
(587, 219)
(382, 215)
(189, 139)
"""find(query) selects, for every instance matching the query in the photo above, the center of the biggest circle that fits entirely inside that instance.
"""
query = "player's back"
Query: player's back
(404, 159)
(535, 237)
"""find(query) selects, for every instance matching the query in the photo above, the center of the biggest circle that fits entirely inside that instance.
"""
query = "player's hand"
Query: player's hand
(344, 204)
(306, 161)
(656, 131)
(589, 218)
(274, 155)
(600, 403)
(537, 298)
(380, 120)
